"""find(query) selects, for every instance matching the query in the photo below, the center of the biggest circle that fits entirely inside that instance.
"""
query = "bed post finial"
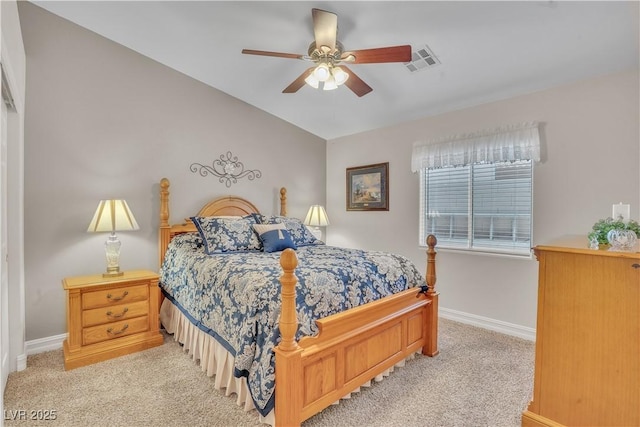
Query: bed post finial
(431, 262)
(288, 314)
(283, 201)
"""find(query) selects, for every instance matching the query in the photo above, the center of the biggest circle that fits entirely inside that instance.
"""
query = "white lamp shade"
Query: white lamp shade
(113, 215)
(317, 217)
(322, 72)
(312, 81)
(330, 84)
(339, 75)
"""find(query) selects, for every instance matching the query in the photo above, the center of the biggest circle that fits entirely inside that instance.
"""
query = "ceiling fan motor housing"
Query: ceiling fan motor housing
(323, 54)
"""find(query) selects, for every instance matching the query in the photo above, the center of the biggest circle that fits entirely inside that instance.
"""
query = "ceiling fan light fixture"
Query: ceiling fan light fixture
(330, 84)
(321, 73)
(312, 81)
(339, 75)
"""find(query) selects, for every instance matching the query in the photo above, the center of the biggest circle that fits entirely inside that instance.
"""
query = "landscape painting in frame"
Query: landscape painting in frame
(368, 188)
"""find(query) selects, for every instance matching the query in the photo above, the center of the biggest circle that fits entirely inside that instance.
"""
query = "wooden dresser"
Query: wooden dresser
(109, 317)
(587, 362)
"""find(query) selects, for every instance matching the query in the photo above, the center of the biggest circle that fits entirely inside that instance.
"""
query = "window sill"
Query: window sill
(491, 253)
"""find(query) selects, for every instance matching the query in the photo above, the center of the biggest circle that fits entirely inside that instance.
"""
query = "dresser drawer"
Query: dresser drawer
(98, 316)
(113, 330)
(113, 296)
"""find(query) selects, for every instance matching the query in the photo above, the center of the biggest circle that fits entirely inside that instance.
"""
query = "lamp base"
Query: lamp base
(112, 247)
(113, 274)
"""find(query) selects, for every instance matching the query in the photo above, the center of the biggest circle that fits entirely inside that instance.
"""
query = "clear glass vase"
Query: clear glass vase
(622, 240)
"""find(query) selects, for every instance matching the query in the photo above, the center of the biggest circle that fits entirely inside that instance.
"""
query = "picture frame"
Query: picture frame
(368, 187)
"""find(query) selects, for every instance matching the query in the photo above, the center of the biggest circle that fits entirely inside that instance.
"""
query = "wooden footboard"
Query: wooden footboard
(352, 347)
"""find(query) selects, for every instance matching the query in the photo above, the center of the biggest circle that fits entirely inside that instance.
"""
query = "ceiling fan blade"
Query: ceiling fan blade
(378, 55)
(325, 28)
(276, 54)
(355, 83)
(299, 82)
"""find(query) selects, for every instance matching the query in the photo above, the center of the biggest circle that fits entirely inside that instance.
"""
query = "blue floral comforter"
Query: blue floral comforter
(235, 297)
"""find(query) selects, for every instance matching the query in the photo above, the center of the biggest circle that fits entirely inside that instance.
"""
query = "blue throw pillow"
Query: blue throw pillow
(274, 237)
(300, 234)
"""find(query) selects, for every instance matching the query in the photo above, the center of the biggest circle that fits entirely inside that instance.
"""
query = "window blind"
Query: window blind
(481, 207)
(501, 206)
(447, 205)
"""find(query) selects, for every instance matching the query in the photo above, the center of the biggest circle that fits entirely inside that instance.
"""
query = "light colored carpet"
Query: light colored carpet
(480, 378)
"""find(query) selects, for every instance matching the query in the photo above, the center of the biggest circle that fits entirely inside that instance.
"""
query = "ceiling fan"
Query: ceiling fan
(329, 57)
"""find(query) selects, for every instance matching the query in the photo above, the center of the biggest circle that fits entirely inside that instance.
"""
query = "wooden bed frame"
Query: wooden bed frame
(351, 348)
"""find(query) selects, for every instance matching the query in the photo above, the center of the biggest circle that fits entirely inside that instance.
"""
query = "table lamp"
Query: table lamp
(112, 215)
(316, 218)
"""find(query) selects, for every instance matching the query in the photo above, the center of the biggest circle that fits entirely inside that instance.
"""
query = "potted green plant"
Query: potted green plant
(601, 229)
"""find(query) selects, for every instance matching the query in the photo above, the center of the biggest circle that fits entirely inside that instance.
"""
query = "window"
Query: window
(476, 191)
(482, 206)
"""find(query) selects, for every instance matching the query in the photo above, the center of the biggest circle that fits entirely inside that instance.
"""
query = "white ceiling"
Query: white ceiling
(488, 50)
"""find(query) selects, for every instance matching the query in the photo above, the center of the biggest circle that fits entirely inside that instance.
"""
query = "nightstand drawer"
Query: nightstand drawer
(98, 316)
(114, 296)
(113, 330)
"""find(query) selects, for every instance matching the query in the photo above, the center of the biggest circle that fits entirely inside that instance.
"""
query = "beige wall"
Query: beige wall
(590, 160)
(105, 122)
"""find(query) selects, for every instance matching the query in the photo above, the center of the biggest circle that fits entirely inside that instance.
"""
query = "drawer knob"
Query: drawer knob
(636, 265)
(112, 332)
(117, 316)
(112, 298)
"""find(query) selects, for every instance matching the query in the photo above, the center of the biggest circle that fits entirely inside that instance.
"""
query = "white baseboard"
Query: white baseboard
(41, 345)
(488, 323)
(21, 362)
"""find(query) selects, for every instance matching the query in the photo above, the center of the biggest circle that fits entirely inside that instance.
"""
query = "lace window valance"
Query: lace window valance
(511, 143)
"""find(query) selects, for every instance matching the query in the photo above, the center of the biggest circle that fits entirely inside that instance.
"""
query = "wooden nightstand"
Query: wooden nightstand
(110, 317)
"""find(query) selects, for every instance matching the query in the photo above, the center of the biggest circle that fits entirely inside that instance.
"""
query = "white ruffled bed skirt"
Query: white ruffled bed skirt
(217, 362)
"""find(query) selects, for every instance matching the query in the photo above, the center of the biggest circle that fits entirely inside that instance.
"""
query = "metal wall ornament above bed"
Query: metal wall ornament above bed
(228, 169)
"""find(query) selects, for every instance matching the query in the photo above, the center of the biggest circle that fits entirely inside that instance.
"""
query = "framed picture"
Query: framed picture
(368, 188)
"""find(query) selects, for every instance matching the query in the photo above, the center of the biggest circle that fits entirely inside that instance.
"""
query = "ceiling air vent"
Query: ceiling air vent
(421, 59)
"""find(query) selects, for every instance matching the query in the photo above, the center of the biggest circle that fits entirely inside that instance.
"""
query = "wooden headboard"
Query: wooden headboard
(221, 206)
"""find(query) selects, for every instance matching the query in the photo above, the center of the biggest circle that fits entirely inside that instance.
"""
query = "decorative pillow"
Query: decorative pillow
(299, 232)
(256, 217)
(274, 237)
(227, 234)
